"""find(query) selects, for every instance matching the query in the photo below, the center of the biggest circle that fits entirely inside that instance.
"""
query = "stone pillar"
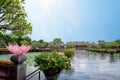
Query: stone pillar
(18, 69)
(18, 72)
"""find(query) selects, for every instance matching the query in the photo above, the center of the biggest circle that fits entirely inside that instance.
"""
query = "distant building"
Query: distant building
(79, 45)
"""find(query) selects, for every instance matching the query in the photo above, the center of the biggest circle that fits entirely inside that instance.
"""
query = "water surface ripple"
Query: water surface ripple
(88, 65)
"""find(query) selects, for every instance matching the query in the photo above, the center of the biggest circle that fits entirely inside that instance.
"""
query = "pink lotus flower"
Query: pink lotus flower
(16, 49)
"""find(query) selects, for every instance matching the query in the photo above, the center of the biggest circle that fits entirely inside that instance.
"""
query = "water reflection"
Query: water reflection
(102, 56)
(88, 65)
(87, 55)
(112, 58)
(69, 72)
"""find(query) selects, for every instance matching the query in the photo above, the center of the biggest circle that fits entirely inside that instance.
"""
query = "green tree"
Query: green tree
(39, 44)
(41, 41)
(25, 40)
(43, 44)
(13, 18)
(6, 38)
(118, 41)
(2, 44)
(92, 45)
(50, 45)
(35, 44)
(56, 43)
(69, 45)
(112, 45)
(101, 43)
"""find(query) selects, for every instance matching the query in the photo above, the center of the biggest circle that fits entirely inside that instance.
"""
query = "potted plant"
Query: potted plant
(51, 63)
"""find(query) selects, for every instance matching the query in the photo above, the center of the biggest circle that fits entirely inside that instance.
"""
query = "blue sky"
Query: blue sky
(74, 20)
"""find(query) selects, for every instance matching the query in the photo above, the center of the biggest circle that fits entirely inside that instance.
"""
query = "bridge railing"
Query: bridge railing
(33, 74)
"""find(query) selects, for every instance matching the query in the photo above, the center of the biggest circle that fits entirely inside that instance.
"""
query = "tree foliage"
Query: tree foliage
(13, 17)
(102, 43)
(68, 45)
(56, 43)
(35, 44)
(112, 45)
(39, 44)
(8, 38)
(118, 41)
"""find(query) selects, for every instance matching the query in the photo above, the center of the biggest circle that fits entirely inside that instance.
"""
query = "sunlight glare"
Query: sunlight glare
(82, 66)
(45, 5)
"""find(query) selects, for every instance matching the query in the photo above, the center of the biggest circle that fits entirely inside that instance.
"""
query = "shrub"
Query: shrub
(102, 50)
(52, 60)
(69, 52)
(111, 50)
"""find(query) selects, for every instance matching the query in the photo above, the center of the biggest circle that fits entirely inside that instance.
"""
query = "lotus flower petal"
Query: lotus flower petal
(16, 49)
(25, 48)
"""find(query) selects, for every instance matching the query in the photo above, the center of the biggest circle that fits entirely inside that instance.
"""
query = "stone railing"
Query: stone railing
(14, 69)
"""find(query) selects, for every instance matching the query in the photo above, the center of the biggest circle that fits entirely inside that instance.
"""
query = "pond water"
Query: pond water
(86, 65)
(93, 66)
